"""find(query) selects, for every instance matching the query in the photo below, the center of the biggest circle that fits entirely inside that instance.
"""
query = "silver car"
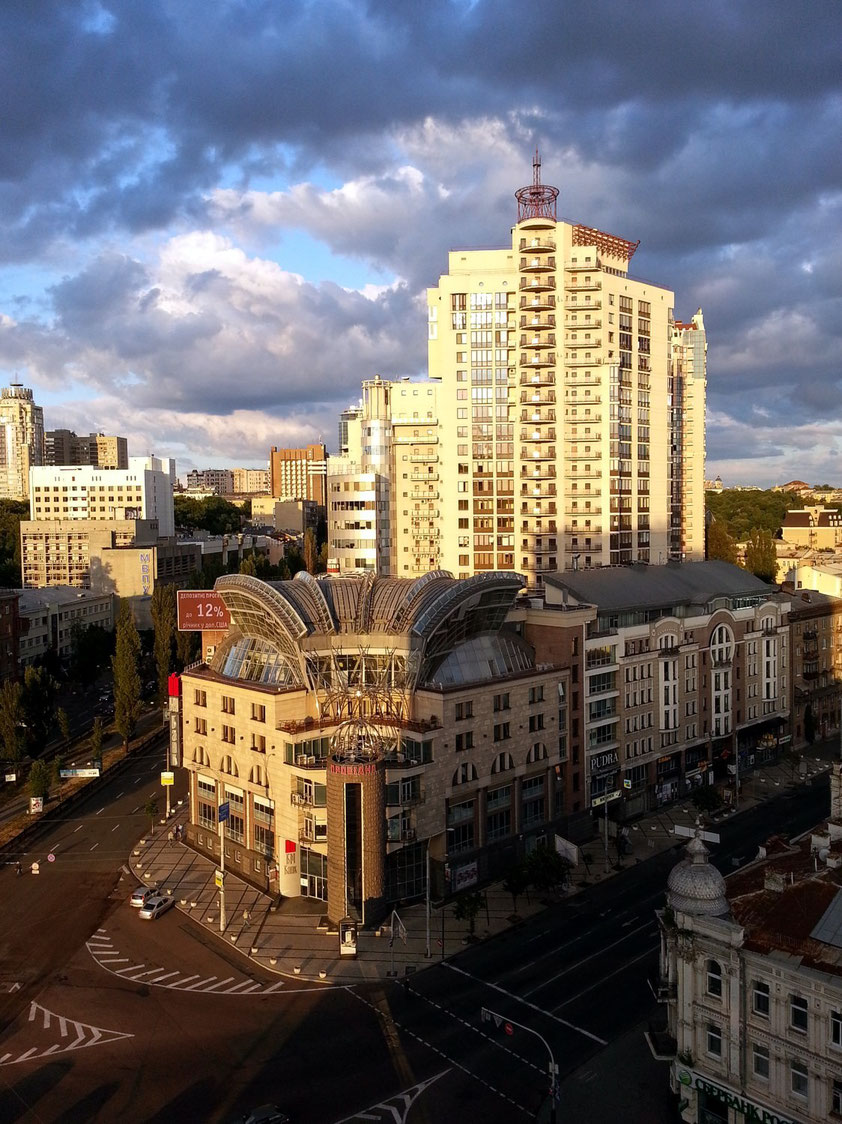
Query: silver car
(153, 907)
(142, 895)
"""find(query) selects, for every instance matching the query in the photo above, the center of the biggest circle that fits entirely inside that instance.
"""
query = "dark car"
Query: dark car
(265, 1114)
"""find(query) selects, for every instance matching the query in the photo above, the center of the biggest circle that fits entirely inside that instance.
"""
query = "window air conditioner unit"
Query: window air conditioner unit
(301, 760)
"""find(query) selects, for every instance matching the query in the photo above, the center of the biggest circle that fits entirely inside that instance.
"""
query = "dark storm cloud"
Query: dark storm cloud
(709, 132)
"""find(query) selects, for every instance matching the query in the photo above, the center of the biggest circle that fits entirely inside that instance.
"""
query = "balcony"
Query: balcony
(594, 529)
(538, 472)
(577, 266)
(537, 284)
(536, 264)
(575, 341)
(536, 414)
(423, 458)
(539, 359)
(540, 377)
(595, 400)
(538, 302)
(583, 548)
(585, 325)
(423, 495)
(581, 284)
(426, 439)
(580, 360)
(539, 245)
(572, 304)
(534, 340)
(577, 513)
(537, 435)
(538, 453)
(572, 455)
(537, 323)
(424, 477)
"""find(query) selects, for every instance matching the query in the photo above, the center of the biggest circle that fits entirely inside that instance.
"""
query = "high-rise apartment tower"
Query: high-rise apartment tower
(571, 405)
(21, 440)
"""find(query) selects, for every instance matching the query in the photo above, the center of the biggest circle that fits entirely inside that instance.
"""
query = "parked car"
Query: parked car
(155, 906)
(142, 895)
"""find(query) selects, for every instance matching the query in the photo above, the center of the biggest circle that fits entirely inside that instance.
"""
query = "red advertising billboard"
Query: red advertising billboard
(201, 610)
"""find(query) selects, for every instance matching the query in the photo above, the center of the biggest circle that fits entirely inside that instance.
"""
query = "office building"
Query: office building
(64, 447)
(295, 517)
(142, 491)
(21, 440)
(571, 404)
(751, 976)
(816, 644)
(351, 722)
(299, 474)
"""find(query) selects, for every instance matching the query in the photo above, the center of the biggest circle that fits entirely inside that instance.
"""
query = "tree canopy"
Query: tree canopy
(741, 511)
(212, 514)
(11, 513)
(720, 545)
(125, 663)
(761, 556)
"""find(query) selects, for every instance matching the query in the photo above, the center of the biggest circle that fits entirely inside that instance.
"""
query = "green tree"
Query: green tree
(39, 707)
(11, 513)
(151, 810)
(720, 546)
(741, 510)
(11, 721)
(547, 869)
(248, 566)
(516, 883)
(164, 620)
(39, 779)
(63, 723)
(761, 556)
(124, 663)
(55, 771)
(706, 799)
(311, 552)
(91, 649)
(212, 514)
(96, 739)
(466, 907)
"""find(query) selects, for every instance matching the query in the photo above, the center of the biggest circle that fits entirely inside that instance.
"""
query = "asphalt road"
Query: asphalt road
(115, 1018)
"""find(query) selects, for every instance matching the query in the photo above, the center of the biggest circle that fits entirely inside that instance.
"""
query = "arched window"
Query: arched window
(465, 773)
(714, 979)
(200, 757)
(537, 753)
(502, 763)
(229, 766)
(721, 645)
(256, 775)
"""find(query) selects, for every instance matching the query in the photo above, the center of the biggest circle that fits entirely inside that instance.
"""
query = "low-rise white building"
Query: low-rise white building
(752, 978)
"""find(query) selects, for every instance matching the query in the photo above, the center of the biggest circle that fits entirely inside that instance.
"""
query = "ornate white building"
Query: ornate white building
(753, 981)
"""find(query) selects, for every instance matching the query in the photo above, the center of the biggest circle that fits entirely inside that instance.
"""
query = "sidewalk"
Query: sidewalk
(293, 939)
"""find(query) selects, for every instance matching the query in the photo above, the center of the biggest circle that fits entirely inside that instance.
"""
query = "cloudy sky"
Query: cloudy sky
(219, 216)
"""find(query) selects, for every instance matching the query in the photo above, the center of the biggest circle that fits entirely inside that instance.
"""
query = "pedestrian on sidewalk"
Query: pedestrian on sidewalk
(18, 867)
(169, 838)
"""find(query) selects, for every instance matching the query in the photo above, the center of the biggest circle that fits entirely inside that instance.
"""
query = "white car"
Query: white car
(142, 895)
(153, 907)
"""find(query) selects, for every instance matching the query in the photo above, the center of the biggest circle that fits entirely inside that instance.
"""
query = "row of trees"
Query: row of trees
(761, 557)
(27, 713)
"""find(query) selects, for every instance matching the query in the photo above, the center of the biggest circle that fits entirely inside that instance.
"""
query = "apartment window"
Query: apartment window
(227, 705)
(201, 726)
(229, 734)
(200, 698)
(536, 722)
(536, 694)
(836, 1028)
(502, 732)
(798, 1013)
(258, 743)
(501, 702)
(207, 814)
(714, 1041)
(760, 1061)
(258, 712)
(836, 1097)
(463, 710)
(798, 1080)
(714, 981)
(465, 740)
(760, 999)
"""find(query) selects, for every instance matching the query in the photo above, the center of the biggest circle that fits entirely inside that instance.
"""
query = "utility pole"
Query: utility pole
(427, 952)
(223, 812)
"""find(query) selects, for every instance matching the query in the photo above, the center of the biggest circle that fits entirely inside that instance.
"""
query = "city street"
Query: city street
(107, 1016)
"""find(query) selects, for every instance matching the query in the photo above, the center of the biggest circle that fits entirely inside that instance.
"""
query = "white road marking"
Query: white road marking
(601, 979)
(115, 827)
(99, 813)
(94, 846)
(593, 955)
(193, 987)
(79, 828)
(119, 794)
(526, 1003)
(213, 987)
(165, 976)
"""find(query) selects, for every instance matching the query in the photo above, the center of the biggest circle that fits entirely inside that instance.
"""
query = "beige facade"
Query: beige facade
(817, 528)
(248, 481)
(412, 691)
(298, 474)
(392, 443)
(21, 440)
(560, 423)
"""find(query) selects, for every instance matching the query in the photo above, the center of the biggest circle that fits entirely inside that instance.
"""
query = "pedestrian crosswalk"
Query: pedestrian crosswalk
(72, 1035)
(107, 956)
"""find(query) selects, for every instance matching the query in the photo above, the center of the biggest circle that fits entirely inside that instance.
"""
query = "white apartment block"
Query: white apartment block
(250, 480)
(142, 491)
(571, 404)
(21, 440)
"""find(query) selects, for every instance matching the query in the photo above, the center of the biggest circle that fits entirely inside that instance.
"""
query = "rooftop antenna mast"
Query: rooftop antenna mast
(537, 200)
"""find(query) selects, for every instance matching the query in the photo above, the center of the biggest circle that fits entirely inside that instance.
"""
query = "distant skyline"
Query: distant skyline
(218, 219)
